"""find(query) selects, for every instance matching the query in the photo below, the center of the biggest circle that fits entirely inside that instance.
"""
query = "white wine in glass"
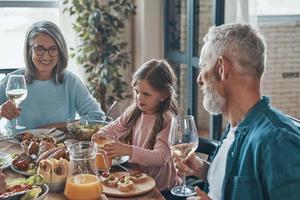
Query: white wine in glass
(16, 90)
(183, 139)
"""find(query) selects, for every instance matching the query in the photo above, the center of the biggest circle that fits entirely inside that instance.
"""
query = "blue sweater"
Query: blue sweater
(47, 102)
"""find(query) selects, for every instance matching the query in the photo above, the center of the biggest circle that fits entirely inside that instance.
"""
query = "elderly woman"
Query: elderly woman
(54, 94)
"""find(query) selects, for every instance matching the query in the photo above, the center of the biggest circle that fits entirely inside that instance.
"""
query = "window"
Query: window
(186, 23)
(277, 7)
(15, 19)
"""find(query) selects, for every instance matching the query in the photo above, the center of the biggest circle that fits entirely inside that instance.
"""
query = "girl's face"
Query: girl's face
(147, 98)
(44, 55)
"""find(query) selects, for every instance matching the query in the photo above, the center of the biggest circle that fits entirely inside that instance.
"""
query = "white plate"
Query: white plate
(58, 135)
(6, 158)
(18, 195)
(120, 160)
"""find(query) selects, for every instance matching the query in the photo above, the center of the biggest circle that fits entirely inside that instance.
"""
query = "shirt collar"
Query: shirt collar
(254, 113)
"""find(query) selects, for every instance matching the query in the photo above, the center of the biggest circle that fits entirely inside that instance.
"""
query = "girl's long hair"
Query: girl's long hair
(160, 75)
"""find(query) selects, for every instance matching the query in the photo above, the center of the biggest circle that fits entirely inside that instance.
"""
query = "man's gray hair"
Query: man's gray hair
(52, 30)
(240, 43)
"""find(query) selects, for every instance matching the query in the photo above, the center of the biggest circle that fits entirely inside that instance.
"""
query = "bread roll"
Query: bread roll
(53, 170)
(47, 153)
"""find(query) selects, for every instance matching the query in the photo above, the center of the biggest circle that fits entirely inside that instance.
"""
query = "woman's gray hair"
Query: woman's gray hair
(240, 43)
(52, 30)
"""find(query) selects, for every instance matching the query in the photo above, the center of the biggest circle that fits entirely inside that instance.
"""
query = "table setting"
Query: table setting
(47, 163)
(119, 167)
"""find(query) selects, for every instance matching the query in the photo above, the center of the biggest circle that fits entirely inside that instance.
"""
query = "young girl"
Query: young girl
(145, 125)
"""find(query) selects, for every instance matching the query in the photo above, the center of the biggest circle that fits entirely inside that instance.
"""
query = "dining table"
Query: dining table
(10, 147)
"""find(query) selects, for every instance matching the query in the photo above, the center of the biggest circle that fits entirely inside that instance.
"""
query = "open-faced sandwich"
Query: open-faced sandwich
(125, 184)
(109, 179)
(137, 177)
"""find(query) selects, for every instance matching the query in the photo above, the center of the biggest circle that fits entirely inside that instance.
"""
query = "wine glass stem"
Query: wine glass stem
(16, 125)
(16, 122)
(183, 190)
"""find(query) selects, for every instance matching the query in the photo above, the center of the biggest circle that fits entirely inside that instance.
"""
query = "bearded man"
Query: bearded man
(259, 155)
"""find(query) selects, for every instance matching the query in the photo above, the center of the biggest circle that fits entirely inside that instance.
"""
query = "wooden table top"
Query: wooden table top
(9, 147)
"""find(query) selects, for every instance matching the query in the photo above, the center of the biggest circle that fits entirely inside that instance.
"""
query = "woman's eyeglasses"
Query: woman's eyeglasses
(40, 51)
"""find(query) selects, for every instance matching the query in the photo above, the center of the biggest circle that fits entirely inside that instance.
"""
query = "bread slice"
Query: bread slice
(109, 180)
(138, 177)
(125, 184)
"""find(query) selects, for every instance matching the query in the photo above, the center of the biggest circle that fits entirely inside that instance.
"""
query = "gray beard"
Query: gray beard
(212, 101)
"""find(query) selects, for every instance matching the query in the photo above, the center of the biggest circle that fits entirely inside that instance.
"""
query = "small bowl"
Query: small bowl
(85, 128)
(56, 187)
(45, 192)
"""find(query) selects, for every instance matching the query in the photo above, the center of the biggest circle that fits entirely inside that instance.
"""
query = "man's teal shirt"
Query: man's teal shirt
(264, 159)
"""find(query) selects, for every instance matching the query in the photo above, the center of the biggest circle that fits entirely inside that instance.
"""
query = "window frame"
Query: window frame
(188, 58)
(32, 4)
(26, 4)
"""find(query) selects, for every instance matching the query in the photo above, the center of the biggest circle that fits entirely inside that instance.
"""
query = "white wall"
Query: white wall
(148, 31)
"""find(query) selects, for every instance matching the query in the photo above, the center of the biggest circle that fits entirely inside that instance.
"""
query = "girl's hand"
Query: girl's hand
(115, 149)
(9, 110)
(200, 195)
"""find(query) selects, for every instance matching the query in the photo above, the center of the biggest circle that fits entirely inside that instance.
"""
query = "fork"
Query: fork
(121, 166)
(4, 164)
(8, 138)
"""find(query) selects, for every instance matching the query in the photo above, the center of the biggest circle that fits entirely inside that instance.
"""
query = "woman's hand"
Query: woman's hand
(200, 195)
(193, 166)
(118, 149)
(9, 110)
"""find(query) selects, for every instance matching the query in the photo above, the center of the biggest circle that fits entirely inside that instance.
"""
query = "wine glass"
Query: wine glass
(183, 139)
(16, 90)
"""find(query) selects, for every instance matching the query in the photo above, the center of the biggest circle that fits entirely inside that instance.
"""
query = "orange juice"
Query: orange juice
(103, 162)
(83, 187)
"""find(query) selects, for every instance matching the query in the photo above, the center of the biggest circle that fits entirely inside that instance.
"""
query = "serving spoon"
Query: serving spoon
(110, 109)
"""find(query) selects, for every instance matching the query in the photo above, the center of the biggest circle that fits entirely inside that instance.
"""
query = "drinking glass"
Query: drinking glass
(16, 90)
(183, 139)
(103, 162)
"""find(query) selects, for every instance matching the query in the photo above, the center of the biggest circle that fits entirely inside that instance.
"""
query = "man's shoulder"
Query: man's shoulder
(271, 126)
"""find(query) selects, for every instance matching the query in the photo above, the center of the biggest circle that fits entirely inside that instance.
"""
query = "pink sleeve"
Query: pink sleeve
(116, 128)
(161, 153)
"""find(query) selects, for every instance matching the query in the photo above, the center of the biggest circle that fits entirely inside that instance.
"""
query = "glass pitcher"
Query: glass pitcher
(82, 182)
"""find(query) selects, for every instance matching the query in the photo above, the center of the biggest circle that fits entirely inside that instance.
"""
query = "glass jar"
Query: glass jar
(82, 182)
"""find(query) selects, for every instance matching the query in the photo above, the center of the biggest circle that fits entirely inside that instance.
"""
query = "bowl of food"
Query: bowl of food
(25, 188)
(84, 128)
